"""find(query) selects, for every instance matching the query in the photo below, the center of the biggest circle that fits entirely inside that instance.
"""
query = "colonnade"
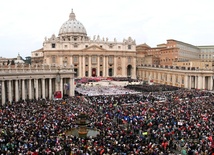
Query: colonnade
(35, 83)
(14, 90)
(180, 78)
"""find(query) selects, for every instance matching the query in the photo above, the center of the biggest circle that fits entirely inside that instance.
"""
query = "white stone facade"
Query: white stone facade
(90, 57)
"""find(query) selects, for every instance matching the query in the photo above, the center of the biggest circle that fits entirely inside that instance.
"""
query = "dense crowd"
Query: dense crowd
(151, 88)
(176, 122)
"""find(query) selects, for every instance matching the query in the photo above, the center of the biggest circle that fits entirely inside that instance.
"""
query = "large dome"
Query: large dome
(72, 27)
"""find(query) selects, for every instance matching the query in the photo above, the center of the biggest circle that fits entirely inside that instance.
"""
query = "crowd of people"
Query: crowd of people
(103, 90)
(128, 124)
(151, 88)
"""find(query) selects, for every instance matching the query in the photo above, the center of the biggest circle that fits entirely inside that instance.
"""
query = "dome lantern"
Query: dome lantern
(72, 15)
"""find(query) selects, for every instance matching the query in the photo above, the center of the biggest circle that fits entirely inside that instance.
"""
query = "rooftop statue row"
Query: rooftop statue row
(28, 67)
(85, 39)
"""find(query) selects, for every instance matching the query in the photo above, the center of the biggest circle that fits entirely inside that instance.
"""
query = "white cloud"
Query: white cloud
(24, 24)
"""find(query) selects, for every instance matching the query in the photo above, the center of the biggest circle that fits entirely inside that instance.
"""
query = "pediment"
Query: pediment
(94, 48)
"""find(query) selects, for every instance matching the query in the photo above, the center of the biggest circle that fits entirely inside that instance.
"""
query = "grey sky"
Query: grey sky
(25, 23)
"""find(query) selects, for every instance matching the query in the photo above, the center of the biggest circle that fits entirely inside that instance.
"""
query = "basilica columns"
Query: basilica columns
(115, 66)
(3, 92)
(50, 88)
(210, 84)
(106, 69)
(186, 81)
(23, 89)
(104, 66)
(98, 66)
(80, 66)
(36, 88)
(30, 88)
(17, 90)
(10, 90)
(89, 66)
(43, 88)
(83, 66)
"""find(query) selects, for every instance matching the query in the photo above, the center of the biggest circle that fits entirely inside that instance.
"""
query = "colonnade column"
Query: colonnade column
(16, 90)
(10, 91)
(199, 82)
(154, 76)
(190, 82)
(3, 92)
(211, 83)
(203, 82)
(43, 88)
(173, 79)
(179, 81)
(50, 88)
(186, 81)
(23, 90)
(168, 79)
(196, 82)
(71, 89)
(89, 66)
(160, 77)
(30, 89)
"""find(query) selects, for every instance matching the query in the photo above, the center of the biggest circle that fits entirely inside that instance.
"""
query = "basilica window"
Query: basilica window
(75, 59)
(129, 60)
(94, 59)
(53, 45)
(176, 79)
(53, 59)
(110, 46)
(110, 60)
(75, 45)
(129, 47)
(101, 73)
(86, 60)
(101, 59)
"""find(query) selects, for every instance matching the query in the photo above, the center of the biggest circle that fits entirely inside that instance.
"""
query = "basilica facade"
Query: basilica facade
(90, 57)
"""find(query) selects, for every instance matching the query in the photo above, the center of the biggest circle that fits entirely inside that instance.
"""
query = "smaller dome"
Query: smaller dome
(19, 60)
(72, 26)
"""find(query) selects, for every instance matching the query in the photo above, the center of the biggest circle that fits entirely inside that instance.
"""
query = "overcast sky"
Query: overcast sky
(25, 23)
